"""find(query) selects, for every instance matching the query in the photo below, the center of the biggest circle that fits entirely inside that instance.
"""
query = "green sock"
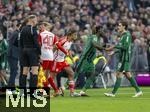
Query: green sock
(76, 76)
(134, 84)
(117, 85)
(89, 82)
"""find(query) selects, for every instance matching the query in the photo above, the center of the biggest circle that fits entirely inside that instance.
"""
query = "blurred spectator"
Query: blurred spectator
(148, 48)
(3, 24)
(3, 60)
(13, 56)
(139, 51)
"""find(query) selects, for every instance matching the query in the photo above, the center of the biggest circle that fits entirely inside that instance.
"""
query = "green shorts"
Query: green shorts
(123, 67)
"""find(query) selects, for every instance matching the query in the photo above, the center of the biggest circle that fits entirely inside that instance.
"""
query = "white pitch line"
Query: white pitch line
(131, 92)
(131, 98)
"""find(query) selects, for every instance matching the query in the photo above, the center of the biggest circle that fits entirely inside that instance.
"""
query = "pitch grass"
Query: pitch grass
(97, 102)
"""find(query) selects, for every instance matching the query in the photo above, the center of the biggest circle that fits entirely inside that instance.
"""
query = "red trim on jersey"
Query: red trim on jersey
(40, 40)
(60, 44)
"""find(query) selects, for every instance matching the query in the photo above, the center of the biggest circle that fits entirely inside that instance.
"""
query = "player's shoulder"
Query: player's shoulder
(92, 37)
(4, 41)
(127, 33)
(51, 34)
(26, 27)
(48, 33)
(61, 39)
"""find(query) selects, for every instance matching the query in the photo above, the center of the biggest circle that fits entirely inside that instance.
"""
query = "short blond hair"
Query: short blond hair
(29, 17)
(47, 25)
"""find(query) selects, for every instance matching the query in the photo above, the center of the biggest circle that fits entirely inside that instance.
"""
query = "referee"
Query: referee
(30, 52)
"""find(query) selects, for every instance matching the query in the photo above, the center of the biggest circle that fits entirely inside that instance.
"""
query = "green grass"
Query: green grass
(97, 102)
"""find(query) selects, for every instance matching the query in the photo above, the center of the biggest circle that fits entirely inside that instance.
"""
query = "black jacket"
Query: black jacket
(29, 38)
(13, 49)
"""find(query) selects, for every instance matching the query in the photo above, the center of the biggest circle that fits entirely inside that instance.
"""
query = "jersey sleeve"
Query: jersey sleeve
(59, 45)
(118, 46)
(55, 40)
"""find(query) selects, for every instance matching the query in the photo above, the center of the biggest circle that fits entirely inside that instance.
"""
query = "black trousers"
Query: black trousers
(13, 63)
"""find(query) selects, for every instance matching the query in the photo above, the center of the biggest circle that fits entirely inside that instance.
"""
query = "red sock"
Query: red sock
(71, 86)
(52, 83)
(45, 83)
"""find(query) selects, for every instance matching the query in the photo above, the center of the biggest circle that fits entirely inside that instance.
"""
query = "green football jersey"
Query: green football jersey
(124, 47)
(89, 54)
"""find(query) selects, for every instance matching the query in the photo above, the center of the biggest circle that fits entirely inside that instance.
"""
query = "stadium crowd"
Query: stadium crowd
(80, 15)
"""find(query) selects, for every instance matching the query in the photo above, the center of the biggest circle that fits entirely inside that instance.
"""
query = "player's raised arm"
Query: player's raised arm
(98, 46)
(59, 45)
(110, 48)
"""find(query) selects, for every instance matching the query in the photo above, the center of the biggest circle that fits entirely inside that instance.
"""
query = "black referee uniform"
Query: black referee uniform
(29, 46)
(30, 53)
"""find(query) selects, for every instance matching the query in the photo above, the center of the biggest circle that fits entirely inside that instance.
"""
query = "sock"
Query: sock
(58, 78)
(23, 80)
(11, 87)
(52, 83)
(21, 71)
(88, 83)
(117, 85)
(134, 84)
(71, 86)
(33, 81)
(30, 82)
(46, 88)
(20, 80)
(76, 75)
(45, 83)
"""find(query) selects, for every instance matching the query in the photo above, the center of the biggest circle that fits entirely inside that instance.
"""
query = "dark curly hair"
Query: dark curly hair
(70, 32)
